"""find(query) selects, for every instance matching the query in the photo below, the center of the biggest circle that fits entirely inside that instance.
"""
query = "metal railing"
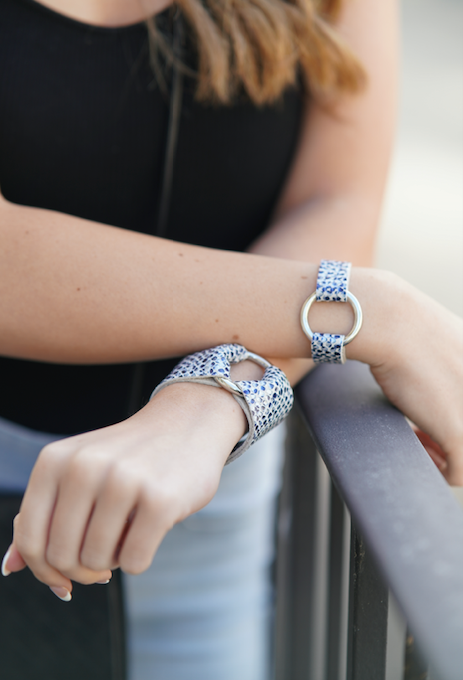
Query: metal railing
(378, 597)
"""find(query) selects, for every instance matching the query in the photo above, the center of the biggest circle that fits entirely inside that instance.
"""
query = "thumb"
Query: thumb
(12, 561)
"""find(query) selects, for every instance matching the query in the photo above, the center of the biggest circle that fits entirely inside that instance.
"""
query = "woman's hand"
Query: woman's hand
(107, 498)
(419, 366)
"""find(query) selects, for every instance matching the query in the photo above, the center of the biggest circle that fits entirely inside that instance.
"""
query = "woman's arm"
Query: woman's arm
(331, 203)
(74, 291)
(78, 292)
(126, 485)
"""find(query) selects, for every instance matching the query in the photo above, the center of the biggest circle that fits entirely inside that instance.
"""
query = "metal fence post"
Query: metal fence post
(297, 636)
(338, 590)
(368, 609)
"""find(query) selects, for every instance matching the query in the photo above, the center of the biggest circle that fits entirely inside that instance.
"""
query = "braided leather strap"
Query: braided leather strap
(265, 402)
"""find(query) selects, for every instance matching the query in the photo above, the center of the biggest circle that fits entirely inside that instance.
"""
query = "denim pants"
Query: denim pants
(203, 610)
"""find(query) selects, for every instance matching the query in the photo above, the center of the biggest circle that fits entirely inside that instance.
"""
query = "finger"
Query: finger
(450, 465)
(72, 512)
(151, 522)
(434, 450)
(33, 555)
(12, 561)
(30, 527)
(436, 458)
(109, 520)
(454, 471)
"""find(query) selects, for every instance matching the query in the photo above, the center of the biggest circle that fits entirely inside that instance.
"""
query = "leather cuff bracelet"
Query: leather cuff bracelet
(332, 286)
(265, 402)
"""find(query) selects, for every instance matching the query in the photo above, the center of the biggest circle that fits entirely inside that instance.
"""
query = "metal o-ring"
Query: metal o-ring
(232, 387)
(260, 361)
(228, 385)
(358, 317)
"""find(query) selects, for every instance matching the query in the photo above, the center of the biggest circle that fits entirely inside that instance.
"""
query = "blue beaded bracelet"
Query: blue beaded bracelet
(332, 286)
(265, 402)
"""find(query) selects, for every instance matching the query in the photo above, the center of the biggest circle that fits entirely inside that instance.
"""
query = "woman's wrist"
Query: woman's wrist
(265, 395)
(379, 294)
(205, 413)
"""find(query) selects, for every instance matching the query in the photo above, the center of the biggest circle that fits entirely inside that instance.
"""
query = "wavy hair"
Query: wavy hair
(262, 46)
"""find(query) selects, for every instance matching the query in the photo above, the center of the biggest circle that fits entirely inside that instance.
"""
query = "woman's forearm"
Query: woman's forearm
(79, 292)
(319, 229)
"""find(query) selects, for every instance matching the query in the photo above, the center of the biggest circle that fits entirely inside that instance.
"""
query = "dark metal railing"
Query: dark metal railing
(378, 596)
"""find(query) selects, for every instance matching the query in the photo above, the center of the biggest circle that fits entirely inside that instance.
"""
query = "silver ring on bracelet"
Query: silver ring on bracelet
(358, 317)
(232, 387)
(228, 385)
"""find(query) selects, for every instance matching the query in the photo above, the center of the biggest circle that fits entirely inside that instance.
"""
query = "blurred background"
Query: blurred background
(421, 237)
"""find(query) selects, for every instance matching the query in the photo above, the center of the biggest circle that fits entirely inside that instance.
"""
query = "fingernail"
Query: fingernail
(103, 583)
(62, 593)
(5, 570)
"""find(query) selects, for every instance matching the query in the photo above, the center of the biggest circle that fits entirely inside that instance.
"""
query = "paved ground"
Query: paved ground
(422, 231)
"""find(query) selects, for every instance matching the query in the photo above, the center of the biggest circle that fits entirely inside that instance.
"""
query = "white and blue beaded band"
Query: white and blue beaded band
(332, 286)
(265, 402)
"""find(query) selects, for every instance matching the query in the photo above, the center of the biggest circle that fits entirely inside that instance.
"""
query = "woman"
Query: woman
(83, 299)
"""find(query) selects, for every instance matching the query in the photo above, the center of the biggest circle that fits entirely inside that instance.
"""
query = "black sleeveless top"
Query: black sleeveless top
(82, 131)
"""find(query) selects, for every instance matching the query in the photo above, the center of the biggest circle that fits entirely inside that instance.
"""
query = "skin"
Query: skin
(106, 498)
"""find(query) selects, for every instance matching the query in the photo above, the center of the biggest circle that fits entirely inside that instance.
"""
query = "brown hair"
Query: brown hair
(260, 46)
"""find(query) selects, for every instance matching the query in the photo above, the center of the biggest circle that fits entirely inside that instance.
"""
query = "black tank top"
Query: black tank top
(82, 131)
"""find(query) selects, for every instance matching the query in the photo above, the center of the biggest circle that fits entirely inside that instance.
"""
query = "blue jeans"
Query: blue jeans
(203, 610)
